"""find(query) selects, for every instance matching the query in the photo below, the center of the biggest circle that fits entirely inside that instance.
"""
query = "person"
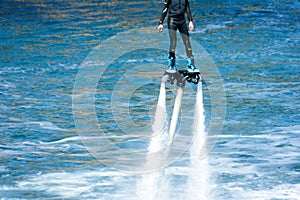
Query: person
(176, 10)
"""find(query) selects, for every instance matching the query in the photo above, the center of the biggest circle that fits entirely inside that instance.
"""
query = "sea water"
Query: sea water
(255, 46)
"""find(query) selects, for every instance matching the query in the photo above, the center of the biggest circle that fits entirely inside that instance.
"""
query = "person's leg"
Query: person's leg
(188, 47)
(173, 37)
(173, 40)
(185, 39)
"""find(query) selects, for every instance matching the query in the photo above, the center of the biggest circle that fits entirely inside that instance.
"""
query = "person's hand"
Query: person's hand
(160, 28)
(191, 26)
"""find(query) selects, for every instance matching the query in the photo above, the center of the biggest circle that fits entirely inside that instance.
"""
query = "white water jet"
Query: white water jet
(149, 186)
(198, 177)
(153, 185)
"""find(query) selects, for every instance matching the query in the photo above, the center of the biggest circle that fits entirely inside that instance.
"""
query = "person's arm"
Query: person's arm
(163, 15)
(188, 11)
(189, 15)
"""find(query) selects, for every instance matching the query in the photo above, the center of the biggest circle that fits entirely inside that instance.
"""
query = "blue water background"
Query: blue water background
(255, 45)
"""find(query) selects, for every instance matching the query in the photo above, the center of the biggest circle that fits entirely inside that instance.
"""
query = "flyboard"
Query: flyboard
(180, 77)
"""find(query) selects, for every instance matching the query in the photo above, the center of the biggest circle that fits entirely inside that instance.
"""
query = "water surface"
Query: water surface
(254, 44)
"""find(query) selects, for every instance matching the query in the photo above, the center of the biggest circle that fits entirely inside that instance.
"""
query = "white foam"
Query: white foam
(64, 140)
(285, 192)
(215, 26)
(47, 125)
(3, 168)
(290, 129)
(148, 186)
(73, 185)
(7, 85)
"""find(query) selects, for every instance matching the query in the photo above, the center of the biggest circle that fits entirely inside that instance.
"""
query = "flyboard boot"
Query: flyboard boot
(171, 65)
(190, 65)
(191, 74)
(172, 70)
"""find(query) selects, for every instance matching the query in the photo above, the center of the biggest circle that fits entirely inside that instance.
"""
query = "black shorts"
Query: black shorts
(178, 24)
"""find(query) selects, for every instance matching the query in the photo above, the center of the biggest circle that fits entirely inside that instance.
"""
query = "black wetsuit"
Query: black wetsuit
(177, 21)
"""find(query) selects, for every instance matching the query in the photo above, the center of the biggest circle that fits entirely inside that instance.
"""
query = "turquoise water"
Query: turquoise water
(254, 44)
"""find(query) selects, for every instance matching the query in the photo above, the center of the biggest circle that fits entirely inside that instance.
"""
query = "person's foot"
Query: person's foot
(172, 65)
(190, 65)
